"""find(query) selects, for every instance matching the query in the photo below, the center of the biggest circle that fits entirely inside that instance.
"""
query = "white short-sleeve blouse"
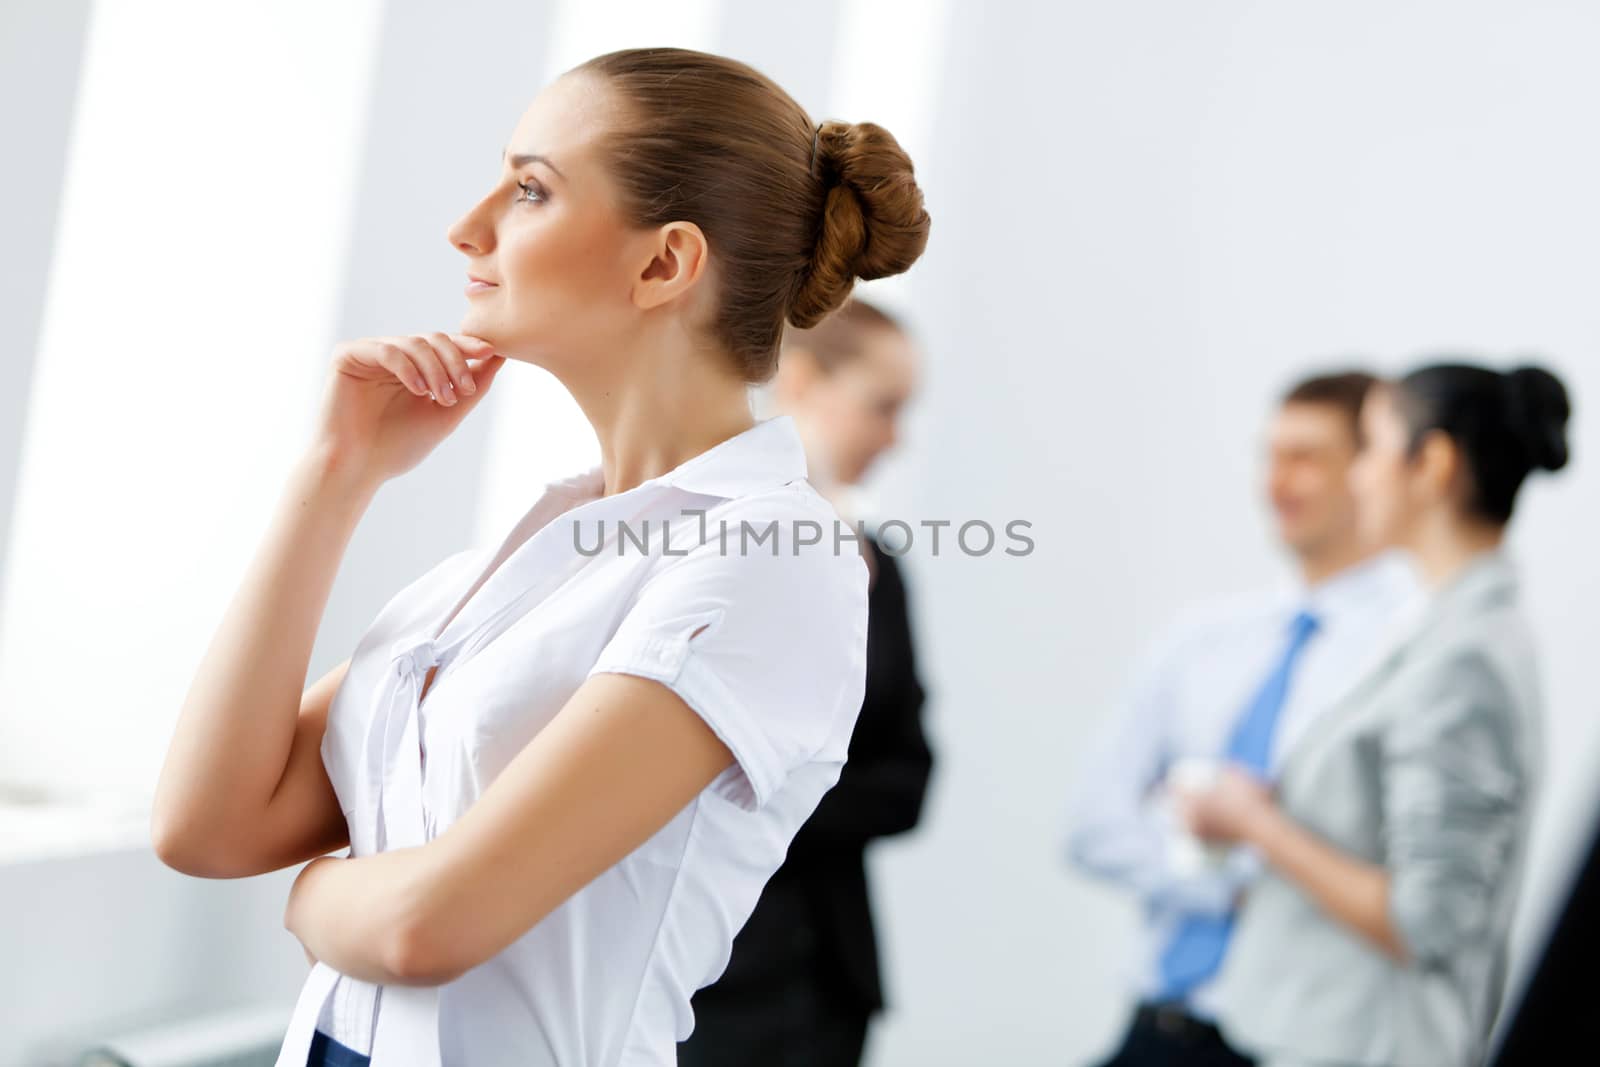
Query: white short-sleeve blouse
(729, 579)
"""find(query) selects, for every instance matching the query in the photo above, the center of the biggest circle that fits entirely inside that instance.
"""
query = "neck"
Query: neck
(1318, 566)
(819, 466)
(821, 472)
(1444, 546)
(657, 407)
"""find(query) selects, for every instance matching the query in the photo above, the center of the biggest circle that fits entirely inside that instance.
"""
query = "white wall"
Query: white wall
(1148, 217)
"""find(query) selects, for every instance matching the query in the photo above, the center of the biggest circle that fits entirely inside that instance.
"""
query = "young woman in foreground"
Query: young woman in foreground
(564, 775)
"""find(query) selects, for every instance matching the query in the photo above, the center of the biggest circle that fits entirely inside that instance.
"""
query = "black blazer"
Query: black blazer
(1555, 1018)
(815, 911)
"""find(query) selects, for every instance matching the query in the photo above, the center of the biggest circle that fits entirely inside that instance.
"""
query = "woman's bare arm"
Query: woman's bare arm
(243, 789)
(620, 760)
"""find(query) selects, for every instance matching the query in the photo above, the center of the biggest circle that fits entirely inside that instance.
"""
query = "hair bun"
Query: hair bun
(1538, 408)
(873, 220)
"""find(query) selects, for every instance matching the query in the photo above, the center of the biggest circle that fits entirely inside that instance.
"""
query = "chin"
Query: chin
(484, 328)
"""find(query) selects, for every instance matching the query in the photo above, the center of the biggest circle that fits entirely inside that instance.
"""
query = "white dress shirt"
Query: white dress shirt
(1193, 689)
(762, 634)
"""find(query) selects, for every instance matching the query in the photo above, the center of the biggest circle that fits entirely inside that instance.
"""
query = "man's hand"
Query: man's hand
(1230, 811)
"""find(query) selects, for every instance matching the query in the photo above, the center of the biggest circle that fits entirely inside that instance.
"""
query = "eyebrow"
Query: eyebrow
(532, 157)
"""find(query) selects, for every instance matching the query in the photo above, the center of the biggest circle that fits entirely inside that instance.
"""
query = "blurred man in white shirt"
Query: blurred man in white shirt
(1237, 680)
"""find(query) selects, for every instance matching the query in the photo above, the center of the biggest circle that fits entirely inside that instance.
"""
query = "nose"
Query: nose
(1277, 475)
(473, 233)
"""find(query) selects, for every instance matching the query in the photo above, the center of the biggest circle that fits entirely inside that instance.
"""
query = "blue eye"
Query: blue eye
(530, 193)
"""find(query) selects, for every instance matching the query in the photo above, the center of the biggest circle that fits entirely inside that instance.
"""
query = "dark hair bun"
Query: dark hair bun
(873, 223)
(1538, 410)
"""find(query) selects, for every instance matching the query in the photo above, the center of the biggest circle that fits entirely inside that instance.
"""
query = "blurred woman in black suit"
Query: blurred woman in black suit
(803, 980)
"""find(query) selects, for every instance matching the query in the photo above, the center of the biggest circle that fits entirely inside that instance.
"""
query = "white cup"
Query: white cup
(1188, 854)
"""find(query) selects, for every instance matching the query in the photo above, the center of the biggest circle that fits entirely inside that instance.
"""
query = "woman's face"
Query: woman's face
(548, 247)
(1383, 477)
(854, 411)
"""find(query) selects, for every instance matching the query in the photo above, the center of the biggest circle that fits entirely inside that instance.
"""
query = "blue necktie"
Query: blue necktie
(1195, 952)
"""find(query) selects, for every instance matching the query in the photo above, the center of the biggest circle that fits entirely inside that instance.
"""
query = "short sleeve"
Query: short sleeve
(1455, 794)
(766, 643)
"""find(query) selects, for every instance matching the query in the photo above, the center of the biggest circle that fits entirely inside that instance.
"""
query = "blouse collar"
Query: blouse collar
(769, 454)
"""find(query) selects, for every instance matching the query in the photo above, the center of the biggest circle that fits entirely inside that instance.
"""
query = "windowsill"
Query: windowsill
(37, 827)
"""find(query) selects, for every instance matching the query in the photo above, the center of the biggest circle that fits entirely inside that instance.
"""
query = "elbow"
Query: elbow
(181, 855)
(167, 836)
(190, 849)
(176, 828)
(433, 944)
(1424, 926)
(1077, 846)
(1407, 945)
(904, 816)
(1389, 934)
(163, 840)
(409, 957)
(417, 953)
(1080, 857)
(1418, 947)
(1099, 852)
(175, 846)
(430, 935)
(434, 917)
(897, 821)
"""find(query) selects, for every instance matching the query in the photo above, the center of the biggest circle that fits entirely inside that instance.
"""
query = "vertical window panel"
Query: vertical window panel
(184, 342)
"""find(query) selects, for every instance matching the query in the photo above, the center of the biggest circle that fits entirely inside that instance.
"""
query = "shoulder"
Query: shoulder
(1489, 645)
(1212, 625)
(789, 537)
(1465, 682)
(793, 501)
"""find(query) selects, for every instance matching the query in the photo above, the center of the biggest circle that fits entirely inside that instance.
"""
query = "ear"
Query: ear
(1439, 466)
(675, 256)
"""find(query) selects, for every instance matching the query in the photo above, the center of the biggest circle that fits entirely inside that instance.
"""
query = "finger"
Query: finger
(427, 361)
(455, 362)
(485, 370)
(395, 360)
(473, 346)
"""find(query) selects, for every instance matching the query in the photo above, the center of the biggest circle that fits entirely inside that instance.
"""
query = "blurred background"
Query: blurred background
(1149, 218)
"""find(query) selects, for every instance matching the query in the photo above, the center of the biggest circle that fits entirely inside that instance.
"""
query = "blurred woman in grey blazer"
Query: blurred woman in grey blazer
(1392, 845)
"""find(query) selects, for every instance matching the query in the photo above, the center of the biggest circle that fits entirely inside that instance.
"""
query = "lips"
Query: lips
(479, 281)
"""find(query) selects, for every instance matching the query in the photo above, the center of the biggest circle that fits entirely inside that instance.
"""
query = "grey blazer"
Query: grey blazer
(1426, 766)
